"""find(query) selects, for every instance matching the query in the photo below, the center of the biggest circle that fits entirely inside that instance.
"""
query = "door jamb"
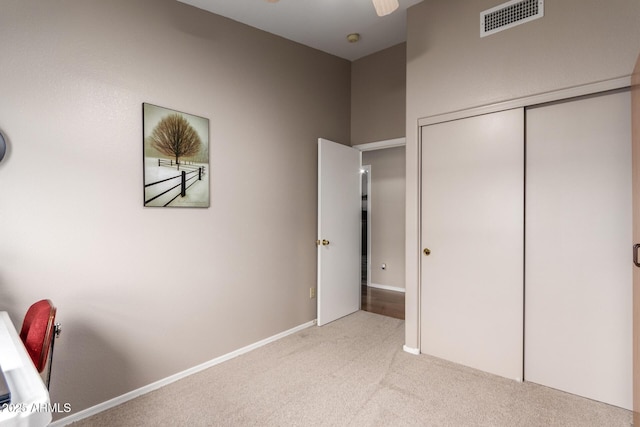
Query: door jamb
(379, 145)
(366, 169)
(371, 146)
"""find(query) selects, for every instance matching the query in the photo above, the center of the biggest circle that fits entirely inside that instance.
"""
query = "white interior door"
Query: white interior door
(472, 222)
(578, 238)
(339, 226)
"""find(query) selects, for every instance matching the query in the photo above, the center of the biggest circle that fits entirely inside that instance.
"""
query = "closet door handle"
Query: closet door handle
(635, 254)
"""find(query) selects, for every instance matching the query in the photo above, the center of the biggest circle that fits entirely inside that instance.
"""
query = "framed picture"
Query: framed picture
(176, 158)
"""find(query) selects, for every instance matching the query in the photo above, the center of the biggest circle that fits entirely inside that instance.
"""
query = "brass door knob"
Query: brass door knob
(426, 251)
(325, 242)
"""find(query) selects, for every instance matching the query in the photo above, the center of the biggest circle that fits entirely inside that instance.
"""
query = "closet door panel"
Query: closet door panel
(577, 245)
(472, 222)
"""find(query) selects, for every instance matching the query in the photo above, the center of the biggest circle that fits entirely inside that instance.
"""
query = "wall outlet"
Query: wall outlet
(312, 292)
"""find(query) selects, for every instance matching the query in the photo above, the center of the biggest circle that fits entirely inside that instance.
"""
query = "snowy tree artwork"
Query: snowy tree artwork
(176, 158)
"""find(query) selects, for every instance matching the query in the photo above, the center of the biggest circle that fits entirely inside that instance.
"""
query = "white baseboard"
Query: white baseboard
(173, 378)
(387, 287)
(411, 350)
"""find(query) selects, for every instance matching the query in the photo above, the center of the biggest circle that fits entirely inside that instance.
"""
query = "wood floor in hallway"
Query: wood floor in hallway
(381, 301)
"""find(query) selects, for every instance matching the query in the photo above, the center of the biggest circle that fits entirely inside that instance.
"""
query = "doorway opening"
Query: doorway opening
(382, 228)
(365, 264)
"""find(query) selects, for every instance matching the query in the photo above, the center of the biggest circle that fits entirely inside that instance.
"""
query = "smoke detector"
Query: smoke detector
(353, 37)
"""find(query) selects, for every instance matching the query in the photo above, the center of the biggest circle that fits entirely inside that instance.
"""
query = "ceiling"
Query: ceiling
(320, 24)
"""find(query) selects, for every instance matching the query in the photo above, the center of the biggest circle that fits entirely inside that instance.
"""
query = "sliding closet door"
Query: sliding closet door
(472, 229)
(635, 132)
(578, 239)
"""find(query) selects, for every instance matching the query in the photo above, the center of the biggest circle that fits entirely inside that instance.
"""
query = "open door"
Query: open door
(339, 225)
(635, 136)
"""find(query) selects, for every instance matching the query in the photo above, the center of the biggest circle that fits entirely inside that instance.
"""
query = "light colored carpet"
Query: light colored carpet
(353, 372)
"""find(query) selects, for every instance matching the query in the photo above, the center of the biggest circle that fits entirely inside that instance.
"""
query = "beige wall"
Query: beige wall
(378, 92)
(144, 293)
(387, 215)
(449, 68)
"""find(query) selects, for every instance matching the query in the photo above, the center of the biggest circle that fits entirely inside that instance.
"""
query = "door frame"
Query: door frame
(380, 145)
(377, 145)
(373, 146)
(414, 188)
(366, 170)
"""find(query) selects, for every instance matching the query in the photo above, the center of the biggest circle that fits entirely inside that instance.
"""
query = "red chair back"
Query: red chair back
(37, 332)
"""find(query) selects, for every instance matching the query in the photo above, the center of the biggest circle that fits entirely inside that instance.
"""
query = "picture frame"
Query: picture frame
(175, 158)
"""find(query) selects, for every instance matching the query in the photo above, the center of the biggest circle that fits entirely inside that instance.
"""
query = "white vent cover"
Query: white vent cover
(510, 14)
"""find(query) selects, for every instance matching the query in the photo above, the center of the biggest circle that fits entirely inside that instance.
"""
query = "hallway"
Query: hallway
(381, 301)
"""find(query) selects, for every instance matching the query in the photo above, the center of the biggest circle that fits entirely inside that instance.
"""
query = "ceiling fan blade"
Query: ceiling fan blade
(385, 7)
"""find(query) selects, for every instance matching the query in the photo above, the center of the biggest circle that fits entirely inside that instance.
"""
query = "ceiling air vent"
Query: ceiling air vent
(510, 14)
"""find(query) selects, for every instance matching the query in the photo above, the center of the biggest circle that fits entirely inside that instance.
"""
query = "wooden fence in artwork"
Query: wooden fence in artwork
(171, 163)
(179, 183)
